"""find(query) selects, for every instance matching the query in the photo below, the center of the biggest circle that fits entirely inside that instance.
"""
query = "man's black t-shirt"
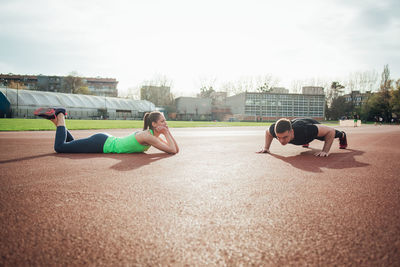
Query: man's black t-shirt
(304, 131)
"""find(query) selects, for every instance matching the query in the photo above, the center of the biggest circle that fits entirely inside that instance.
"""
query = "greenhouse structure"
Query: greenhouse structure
(21, 104)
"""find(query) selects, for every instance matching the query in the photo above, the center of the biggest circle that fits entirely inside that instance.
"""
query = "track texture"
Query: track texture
(215, 203)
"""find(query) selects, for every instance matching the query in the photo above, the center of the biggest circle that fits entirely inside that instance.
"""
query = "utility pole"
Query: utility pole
(105, 106)
(17, 97)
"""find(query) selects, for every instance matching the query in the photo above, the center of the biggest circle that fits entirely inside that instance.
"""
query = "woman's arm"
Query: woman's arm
(173, 139)
(329, 135)
(169, 146)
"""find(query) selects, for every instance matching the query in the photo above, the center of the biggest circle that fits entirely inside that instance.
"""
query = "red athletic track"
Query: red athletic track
(215, 203)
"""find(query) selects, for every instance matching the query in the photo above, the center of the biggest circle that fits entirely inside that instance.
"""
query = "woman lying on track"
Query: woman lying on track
(140, 141)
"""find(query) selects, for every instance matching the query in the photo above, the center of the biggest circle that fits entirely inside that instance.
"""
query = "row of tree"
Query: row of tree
(384, 103)
(379, 99)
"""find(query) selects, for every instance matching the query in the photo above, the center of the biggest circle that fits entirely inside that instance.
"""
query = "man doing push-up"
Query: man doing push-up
(302, 132)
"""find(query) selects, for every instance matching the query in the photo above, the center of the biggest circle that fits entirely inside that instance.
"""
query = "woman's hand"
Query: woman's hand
(162, 129)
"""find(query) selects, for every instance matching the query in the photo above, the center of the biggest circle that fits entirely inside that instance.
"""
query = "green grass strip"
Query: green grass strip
(44, 125)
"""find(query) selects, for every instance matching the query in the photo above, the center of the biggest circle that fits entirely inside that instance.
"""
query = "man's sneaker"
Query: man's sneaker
(306, 145)
(343, 141)
(49, 113)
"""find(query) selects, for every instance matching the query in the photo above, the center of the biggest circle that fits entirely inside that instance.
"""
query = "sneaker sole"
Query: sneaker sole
(48, 114)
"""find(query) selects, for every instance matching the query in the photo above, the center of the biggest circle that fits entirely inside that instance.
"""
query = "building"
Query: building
(357, 98)
(312, 90)
(193, 108)
(279, 90)
(28, 82)
(97, 86)
(21, 104)
(159, 95)
(219, 110)
(102, 86)
(252, 106)
(50, 84)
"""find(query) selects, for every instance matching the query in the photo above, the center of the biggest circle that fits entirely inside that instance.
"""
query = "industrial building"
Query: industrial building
(21, 104)
(252, 106)
(193, 108)
(97, 86)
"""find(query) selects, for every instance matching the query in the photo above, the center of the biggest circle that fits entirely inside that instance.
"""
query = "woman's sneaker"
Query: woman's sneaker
(49, 113)
(60, 110)
(343, 141)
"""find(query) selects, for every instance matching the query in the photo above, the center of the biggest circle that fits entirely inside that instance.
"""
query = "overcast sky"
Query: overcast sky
(192, 41)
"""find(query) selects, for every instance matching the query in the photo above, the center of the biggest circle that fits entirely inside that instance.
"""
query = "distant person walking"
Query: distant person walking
(137, 142)
(355, 117)
(302, 132)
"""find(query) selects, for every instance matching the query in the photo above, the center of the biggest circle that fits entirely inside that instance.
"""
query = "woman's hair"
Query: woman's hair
(150, 117)
(283, 125)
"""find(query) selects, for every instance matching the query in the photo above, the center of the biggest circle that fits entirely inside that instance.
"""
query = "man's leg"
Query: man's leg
(342, 139)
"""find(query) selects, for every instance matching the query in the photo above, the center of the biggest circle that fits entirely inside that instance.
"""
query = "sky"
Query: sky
(196, 43)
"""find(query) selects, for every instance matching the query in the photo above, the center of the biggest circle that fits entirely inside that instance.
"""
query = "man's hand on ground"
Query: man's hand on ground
(321, 154)
(263, 150)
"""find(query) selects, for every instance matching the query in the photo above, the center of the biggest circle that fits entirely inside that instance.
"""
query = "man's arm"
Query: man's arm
(329, 135)
(268, 141)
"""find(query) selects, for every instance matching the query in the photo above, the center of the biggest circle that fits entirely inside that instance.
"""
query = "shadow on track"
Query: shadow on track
(127, 161)
(306, 161)
(26, 158)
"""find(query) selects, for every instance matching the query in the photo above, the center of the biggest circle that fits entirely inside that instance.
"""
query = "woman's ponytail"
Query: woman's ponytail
(146, 121)
(149, 118)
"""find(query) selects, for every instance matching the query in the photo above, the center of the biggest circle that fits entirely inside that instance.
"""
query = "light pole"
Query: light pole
(17, 98)
(105, 106)
(6, 84)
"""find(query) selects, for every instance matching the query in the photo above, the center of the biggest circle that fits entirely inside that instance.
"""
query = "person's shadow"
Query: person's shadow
(26, 158)
(306, 161)
(126, 162)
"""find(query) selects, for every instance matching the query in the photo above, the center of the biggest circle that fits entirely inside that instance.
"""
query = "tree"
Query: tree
(158, 80)
(264, 83)
(264, 88)
(72, 83)
(157, 91)
(384, 94)
(362, 81)
(207, 85)
(339, 108)
(83, 90)
(261, 83)
(16, 85)
(395, 100)
(375, 106)
(336, 89)
(206, 92)
(159, 95)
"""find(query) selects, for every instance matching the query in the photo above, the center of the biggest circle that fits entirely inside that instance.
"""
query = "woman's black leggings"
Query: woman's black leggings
(65, 142)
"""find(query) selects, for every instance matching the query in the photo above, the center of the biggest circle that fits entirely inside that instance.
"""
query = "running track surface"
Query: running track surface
(215, 203)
